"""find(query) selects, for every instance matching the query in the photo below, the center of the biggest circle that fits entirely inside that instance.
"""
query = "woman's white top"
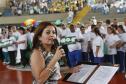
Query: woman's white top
(12, 47)
(98, 42)
(4, 49)
(84, 44)
(110, 40)
(123, 39)
(22, 46)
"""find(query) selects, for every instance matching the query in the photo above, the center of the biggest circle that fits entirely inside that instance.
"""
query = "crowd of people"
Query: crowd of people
(16, 45)
(29, 7)
(104, 6)
(95, 42)
(19, 7)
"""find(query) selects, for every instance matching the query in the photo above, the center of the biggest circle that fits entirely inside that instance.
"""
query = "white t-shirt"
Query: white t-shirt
(94, 21)
(77, 29)
(123, 39)
(88, 29)
(110, 40)
(16, 34)
(92, 35)
(70, 14)
(32, 36)
(77, 45)
(13, 46)
(22, 46)
(64, 32)
(4, 49)
(84, 44)
(98, 41)
(103, 30)
(29, 36)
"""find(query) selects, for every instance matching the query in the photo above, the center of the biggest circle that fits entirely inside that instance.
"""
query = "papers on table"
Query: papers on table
(102, 75)
(93, 74)
(83, 74)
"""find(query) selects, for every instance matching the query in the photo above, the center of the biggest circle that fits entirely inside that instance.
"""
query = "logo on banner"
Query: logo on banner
(68, 40)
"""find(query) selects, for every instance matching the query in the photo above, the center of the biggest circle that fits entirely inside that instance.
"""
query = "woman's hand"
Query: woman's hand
(76, 69)
(59, 53)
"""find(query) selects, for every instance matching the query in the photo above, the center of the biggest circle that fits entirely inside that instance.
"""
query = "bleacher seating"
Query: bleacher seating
(7, 12)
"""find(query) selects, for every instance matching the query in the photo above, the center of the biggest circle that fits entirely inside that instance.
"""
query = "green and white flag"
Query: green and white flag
(68, 40)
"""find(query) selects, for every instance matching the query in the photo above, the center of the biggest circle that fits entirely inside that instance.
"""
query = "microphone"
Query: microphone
(56, 43)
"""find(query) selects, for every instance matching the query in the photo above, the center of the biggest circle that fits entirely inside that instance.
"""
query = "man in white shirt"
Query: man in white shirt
(22, 45)
(12, 48)
(84, 44)
(74, 54)
(64, 31)
(102, 30)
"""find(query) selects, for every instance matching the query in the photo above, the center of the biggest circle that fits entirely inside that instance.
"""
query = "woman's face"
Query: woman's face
(48, 35)
(109, 31)
(119, 30)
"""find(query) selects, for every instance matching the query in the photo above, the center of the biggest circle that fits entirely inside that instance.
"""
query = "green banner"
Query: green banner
(68, 40)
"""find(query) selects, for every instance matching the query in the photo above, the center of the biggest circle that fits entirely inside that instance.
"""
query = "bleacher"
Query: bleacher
(7, 12)
(112, 14)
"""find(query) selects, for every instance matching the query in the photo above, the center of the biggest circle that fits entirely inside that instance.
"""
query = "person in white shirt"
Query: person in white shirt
(115, 23)
(112, 40)
(22, 44)
(64, 31)
(12, 49)
(70, 16)
(102, 30)
(5, 54)
(106, 24)
(97, 46)
(84, 44)
(88, 26)
(74, 54)
(121, 48)
(94, 20)
(105, 9)
(45, 7)
(91, 35)
(16, 34)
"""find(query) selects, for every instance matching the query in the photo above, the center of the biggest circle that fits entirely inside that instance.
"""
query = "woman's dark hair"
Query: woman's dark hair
(113, 29)
(38, 33)
(82, 27)
(97, 32)
(121, 27)
(92, 27)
